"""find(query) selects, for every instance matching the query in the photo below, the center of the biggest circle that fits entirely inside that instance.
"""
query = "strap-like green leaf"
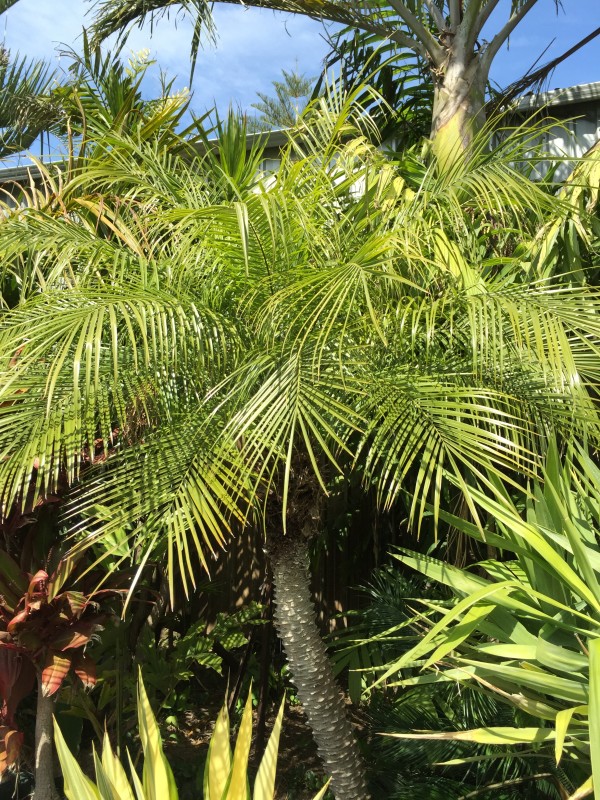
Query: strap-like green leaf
(218, 761)
(264, 786)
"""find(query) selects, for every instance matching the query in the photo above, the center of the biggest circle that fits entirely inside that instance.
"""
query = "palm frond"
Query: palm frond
(118, 16)
(27, 104)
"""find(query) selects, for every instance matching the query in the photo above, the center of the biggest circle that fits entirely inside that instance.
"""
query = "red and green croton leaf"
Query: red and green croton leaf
(54, 671)
(75, 635)
(17, 679)
(76, 601)
(46, 628)
(37, 592)
(85, 669)
(17, 620)
(11, 742)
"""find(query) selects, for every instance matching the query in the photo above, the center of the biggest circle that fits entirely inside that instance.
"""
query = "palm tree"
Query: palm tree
(446, 35)
(200, 352)
(27, 104)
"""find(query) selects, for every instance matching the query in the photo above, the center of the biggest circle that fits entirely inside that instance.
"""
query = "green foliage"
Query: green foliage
(28, 102)
(403, 769)
(226, 775)
(525, 628)
(104, 95)
(189, 346)
(401, 96)
(169, 670)
(232, 165)
(282, 110)
(215, 331)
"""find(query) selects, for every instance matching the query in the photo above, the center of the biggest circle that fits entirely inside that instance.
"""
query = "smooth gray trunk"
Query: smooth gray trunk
(294, 618)
(45, 788)
(458, 110)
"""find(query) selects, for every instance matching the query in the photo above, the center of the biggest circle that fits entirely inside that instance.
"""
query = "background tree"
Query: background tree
(283, 109)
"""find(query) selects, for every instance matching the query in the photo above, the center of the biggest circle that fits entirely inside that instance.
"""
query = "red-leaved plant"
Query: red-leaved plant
(17, 677)
(44, 630)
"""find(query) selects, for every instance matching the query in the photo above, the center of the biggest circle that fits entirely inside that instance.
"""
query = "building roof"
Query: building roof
(583, 93)
(18, 174)
(22, 172)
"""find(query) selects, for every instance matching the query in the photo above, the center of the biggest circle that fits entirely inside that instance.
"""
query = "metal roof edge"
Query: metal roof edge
(23, 171)
(581, 93)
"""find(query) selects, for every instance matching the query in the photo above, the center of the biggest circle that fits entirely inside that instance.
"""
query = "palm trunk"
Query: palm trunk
(458, 111)
(45, 788)
(294, 618)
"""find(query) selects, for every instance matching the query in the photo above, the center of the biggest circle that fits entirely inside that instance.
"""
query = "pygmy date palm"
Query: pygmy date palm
(198, 351)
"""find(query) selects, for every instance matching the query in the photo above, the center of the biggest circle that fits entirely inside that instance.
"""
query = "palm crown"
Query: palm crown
(202, 329)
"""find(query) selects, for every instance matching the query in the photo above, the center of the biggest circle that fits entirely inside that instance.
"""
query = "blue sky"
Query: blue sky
(255, 45)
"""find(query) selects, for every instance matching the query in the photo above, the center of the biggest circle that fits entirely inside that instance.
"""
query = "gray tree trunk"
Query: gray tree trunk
(294, 617)
(45, 787)
(458, 110)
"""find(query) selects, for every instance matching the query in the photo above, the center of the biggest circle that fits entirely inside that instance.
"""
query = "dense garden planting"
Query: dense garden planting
(324, 441)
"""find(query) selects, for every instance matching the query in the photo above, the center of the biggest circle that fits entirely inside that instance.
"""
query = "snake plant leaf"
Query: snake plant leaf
(585, 790)
(459, 632)
(579, 548)
(115, 772)
(137, 784)
(321, 794)
(519, 652)
(105, 786)
(560, 658)
(158, 779)
(493, 735)
(530, 676)
(551, 559)
(594, 709)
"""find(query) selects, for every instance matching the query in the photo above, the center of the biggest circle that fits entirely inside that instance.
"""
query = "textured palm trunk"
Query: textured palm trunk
(45, 788)
(294, 617)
